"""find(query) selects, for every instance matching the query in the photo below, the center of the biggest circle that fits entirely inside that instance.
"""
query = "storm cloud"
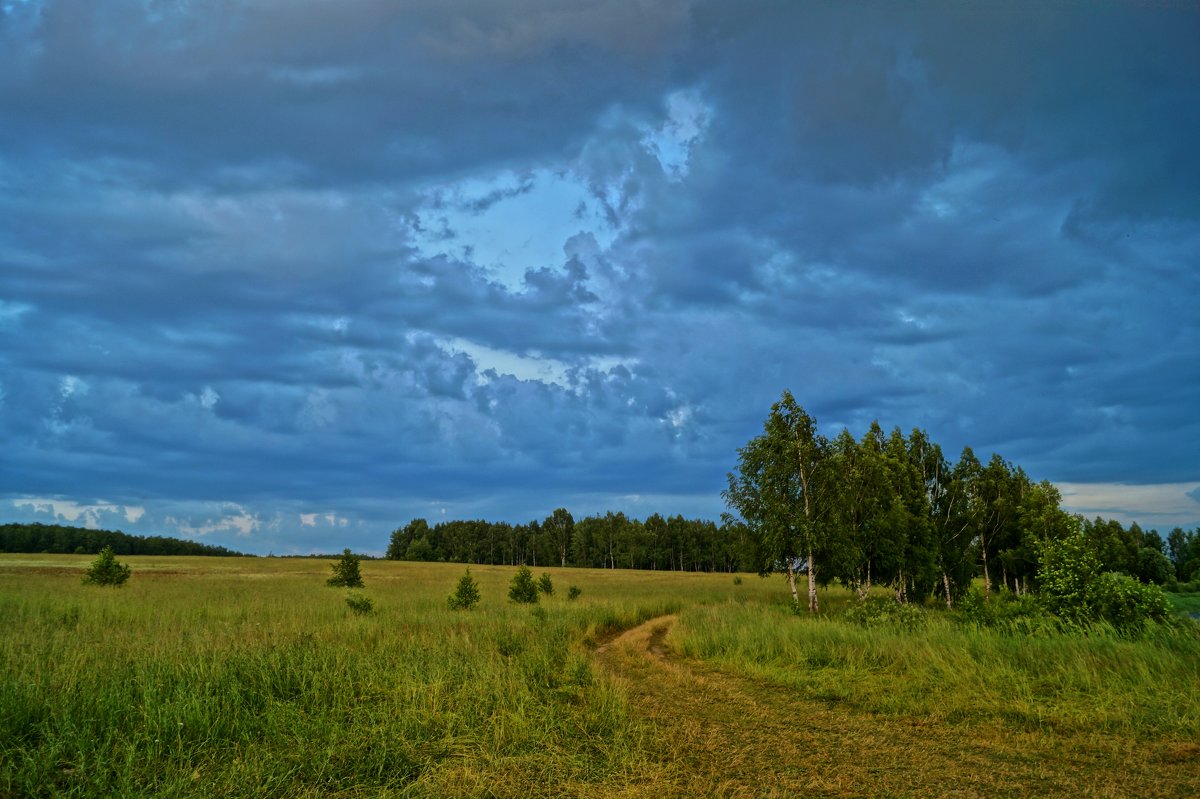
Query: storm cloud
(284, 275)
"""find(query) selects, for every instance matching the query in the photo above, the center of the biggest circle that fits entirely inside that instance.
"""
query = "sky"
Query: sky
(282, 275)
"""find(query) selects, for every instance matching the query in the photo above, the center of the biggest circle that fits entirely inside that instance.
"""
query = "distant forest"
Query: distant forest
(57, 539)
(612, 541)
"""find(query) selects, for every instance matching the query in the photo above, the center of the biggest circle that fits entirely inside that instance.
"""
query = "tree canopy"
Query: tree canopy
(890, 509)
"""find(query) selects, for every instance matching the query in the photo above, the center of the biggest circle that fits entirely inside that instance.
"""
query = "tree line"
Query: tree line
(59, 539)
(891, 509)
(883, 509)
(610, 540)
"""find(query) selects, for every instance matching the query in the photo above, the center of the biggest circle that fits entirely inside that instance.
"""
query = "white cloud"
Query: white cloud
(1160, 505)
(91, 515)
(330, 518)
(240, 521)
(209, 398)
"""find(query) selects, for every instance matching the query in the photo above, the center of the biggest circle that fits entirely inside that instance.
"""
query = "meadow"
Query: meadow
(250, 677)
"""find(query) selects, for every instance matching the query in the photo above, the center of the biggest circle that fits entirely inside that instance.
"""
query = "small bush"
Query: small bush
(105, 570)
(360, 604)
(1127, 604)
(522, 588)
(573, 592)
(883, 611)
(345, 572)
(737, 579)
(1006, 612)
(466, 595)
(545, 584)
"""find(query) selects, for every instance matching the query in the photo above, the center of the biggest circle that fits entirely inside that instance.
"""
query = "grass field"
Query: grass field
(250, 677)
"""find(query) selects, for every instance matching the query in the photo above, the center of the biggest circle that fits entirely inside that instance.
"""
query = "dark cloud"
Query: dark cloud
(243, 251)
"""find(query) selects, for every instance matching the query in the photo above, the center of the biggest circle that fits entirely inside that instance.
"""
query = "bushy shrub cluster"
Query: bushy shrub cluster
(880, 611)
(1008, 612)
(1072, 587)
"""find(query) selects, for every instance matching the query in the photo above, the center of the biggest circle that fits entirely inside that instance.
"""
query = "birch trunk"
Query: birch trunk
(987, 579)
(812, 584)
(946, 587)
(791, 575)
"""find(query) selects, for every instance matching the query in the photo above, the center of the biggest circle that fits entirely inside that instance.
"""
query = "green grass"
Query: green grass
(1185, 604)
(944, 672)
(250, 677)
(206, 677)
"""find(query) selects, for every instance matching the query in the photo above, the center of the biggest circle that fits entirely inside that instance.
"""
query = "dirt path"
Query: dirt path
(720, 735)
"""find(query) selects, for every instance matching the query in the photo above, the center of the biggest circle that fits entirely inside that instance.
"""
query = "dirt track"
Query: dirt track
(720, 735)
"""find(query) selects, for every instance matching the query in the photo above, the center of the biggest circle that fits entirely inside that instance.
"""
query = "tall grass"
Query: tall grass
(259, 681)
(943, 671)
(250, 677)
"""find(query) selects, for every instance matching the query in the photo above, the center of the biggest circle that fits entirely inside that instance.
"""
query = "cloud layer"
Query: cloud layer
(284, 275)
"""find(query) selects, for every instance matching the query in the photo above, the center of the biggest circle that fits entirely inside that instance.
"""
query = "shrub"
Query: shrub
(1074, 589)
(737, 579)
(1007, 612)
(573, 592)
(105, 570)
(360, 604)
(1127, 604)
(545, 584)
(1066, 578)
(345, 571)
(466, 595)
(522, 588)
(884, 611)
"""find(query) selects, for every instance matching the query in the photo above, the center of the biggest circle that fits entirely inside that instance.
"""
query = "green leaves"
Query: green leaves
(522, 589)
(1073, 588)
(345, 571)
(466, 595)
(105, 570)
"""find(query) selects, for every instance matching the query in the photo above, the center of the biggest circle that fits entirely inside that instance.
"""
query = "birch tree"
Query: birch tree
(782, 491)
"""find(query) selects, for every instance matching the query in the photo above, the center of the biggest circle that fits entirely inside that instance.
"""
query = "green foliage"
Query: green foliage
(1127, 604)
(360, 603)
(522, 588)
(573, 592)
(880, 611)
(345, 572)
(61, 539)
(545, 585)
(106, 570)
(1073, 588)
(466, 595)
(1006, 612)
(1154, 567)
(737, 579)
(1067, 576)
